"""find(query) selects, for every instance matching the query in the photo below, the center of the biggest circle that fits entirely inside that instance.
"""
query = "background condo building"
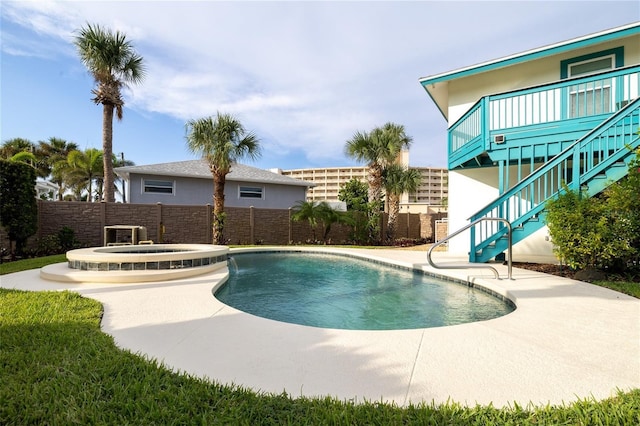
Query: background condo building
(431, 196)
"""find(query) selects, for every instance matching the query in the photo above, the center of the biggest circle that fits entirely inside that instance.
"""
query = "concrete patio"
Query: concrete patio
(566, 340)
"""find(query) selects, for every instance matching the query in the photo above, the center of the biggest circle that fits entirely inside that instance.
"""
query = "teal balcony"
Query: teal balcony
(533, 125)
(589, 165)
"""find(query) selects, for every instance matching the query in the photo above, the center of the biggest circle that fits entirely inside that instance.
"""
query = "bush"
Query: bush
(59, 243)
(623, 199)
(67, 239)
(18, 207)
(409, 242)
(48, 245)
(600, 232)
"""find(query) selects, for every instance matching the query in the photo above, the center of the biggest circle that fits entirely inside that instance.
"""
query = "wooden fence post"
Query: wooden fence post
(159, 223)
(209, 224)
(290, 227)
(103, 219)
(252, 239)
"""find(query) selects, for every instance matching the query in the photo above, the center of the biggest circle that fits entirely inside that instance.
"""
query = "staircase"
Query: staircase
(590, 164)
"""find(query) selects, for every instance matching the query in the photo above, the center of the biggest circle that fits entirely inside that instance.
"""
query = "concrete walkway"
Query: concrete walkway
(566, 340)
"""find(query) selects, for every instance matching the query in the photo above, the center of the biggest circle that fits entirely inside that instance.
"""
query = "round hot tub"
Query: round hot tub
(137, 263)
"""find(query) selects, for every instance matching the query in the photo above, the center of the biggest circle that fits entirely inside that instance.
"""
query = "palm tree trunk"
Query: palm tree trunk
(394, 210)
(374, 179)
(90, 195)
(219, 180)
(107, 151)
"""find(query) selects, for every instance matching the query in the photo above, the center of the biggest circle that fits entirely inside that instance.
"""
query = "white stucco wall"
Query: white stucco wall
(472, 189)
(536, 248)
(463, 93)
(469, 191)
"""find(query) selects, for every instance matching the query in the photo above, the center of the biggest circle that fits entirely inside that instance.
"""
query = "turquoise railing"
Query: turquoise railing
(601, 153)
(468, 128)
(604, 93)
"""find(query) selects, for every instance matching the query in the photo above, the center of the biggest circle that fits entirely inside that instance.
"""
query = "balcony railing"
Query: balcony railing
(589, 165)
(603, 93)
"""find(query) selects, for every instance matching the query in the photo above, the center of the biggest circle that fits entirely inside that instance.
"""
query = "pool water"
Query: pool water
(333, 291)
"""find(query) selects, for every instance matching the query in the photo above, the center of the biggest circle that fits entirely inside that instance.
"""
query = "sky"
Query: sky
(303, 76)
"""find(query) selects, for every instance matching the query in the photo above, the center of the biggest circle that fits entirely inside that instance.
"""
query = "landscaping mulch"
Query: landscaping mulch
(558, 270)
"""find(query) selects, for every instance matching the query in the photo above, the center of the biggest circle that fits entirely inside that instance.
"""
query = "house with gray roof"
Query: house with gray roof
(191, 183)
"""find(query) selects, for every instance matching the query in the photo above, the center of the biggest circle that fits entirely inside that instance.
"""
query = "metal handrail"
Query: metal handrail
(475, 222)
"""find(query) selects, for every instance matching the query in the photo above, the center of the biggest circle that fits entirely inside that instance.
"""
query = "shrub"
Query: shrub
(599, 232)
(623, 200)
(67, 239)
(18, 206)
(59, 243)
(48, 245)
(409, 242)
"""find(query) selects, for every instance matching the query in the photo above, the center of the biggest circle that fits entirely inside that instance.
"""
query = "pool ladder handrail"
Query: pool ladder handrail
(464, 228)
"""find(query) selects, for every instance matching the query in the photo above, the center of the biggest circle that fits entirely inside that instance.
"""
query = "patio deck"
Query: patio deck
(566, 340)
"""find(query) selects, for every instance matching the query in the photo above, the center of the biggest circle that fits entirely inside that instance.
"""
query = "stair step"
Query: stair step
(611, 164)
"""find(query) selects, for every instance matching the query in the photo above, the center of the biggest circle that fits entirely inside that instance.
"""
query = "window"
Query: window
(592, 63)
(590, 99)
(591, 66)
(251, 192)
(593, 97)
(150, 186)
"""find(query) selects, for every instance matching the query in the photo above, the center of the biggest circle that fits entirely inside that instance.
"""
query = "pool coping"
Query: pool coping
(95, 263)
(564, 341)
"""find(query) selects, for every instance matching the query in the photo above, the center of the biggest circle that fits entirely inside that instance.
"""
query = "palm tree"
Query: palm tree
(222, 140)
(379, 148)
(54, 151)
(309, 211)
(20, 150)
(81, 169)
(398, 180)
(13, 146)
(314, 212)
(24, 157)
(121, 162)
(113, 62)
(327, 216)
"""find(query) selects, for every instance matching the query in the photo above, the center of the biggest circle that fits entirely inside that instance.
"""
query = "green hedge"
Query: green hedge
(18, 207)
(599, 232)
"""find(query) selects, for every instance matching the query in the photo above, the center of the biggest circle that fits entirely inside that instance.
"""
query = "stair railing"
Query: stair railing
(477, 266)
(529, 195)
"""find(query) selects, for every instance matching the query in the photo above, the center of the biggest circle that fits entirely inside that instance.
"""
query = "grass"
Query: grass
(626, 287)
(58, 367)
(24, 264)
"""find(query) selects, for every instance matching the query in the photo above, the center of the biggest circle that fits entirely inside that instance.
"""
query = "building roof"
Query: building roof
(434, 84)
(200, 169)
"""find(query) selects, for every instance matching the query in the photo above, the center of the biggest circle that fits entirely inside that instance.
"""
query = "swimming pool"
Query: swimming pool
(334, 291)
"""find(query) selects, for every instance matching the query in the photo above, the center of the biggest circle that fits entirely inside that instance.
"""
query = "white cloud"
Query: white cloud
(306, 75)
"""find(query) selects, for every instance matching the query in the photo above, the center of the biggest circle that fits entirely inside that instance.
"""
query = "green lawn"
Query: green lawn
(58, 367)
(24, 264)
(626, 287)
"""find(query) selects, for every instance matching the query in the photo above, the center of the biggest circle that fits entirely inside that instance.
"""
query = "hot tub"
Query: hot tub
(137, 263)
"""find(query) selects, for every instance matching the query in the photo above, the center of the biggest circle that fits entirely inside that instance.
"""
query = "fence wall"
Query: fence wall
(442, 229)
(192, 224)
